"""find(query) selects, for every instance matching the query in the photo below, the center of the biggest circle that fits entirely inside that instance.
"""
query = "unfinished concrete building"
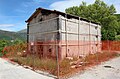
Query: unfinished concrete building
(72, 35)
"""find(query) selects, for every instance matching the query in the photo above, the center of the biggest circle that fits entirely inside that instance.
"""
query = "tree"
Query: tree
(98, 12)
(117, 37)
(118, 19)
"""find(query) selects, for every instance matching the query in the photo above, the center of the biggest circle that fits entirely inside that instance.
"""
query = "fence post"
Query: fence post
(57, 57)
(33, 51)
(84, 58)
(108, 43)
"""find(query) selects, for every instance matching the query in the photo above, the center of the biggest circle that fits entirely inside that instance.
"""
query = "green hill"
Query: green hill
(22, 31)
(7, 35)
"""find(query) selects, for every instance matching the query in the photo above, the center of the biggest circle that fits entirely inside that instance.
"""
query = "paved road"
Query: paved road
(10, 71)
(107, 70)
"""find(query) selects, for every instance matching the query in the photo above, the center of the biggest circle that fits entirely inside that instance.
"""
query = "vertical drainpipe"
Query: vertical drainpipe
(28, 33)
(97, 38)
(58, 28)
(28, 37)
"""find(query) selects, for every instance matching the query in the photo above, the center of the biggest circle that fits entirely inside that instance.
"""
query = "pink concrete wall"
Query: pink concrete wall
(73, 50)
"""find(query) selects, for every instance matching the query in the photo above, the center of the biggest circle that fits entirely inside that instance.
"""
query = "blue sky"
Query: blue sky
(13, 13)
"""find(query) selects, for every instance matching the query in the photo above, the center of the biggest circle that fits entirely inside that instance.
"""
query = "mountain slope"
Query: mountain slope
(22, 31)
(7, 35)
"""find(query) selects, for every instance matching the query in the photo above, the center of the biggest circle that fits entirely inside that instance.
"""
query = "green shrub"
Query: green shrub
(117, 37)
(11, 46)
(3, 43)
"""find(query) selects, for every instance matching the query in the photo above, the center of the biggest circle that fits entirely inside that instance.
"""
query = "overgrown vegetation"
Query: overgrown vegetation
(35, 62)
(117, 37)
(12, 42)
(50, 65)
(89, 60)
(102, 13)
(3, 43)
(11, 46)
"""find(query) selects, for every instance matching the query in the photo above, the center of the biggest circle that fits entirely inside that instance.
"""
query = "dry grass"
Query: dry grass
(35, 62)
(14, 49)
(92, 60)
(50, 65)
(65, 67)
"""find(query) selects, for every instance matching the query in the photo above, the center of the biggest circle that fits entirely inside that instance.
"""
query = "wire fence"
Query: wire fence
(55, 58)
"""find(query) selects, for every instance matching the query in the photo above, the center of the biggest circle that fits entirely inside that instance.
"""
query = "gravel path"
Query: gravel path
(10, 71)
(107, 70)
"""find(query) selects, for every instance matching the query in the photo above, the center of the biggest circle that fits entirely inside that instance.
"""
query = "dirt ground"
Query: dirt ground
(107, 70)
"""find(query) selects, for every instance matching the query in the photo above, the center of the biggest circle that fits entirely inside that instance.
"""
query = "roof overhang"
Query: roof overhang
(38, 10)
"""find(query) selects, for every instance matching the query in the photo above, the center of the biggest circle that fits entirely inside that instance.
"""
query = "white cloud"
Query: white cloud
(62, 5)
(13, 27)
(6, 25)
